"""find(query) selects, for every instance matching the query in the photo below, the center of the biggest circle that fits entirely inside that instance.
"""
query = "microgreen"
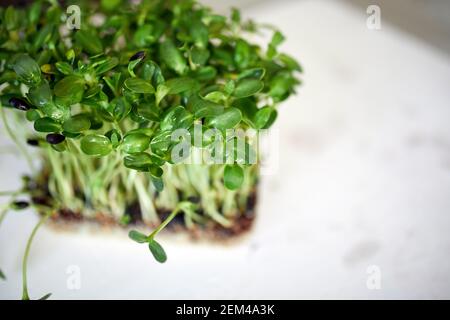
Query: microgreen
(107, 100)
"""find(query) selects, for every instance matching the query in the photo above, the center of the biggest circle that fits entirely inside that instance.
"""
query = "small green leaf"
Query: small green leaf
(2, 275)
(11, 18)
(119, 107)
(105, 66)
(114, 136)
(152, 72)
(205, 108)
(172, 57)
(134, 61)
(227, 120)
(137, 85)
(64, 67)
(27, 69)
(233, 176)
(161, 142)
(137, 236)
(161, 91)
(255, 73)
(176, 118)
(47, 124)
(32, 115)
(199, 33)
(77, 123)
(149, 111)
(138, 161)
(247, 87)
(242, 54)
(96, 145)
(70, 89)
(179, 85)
(199, 56)
(158, 183)
(156, 171)
(40, 94)
(290, 62)
(89, 42)
(157, 250)
(135, 143)
(265, 117)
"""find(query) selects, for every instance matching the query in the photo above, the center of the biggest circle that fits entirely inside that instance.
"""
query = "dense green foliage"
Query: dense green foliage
(105, 100)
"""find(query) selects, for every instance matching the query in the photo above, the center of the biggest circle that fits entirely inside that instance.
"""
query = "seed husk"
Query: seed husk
(19, 104)
(55, 138)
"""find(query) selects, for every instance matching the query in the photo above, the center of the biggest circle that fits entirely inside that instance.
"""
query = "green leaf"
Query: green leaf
(105, 66)
(47, 124)
(137, 85)
(161, 142)
(290, 62)
(179, 85)
(242, 54)
(70, 89)
(43, 36)
(143, 36)
(90, 42)
(233, 176)
(227, 120)
(172, 57)
(135, 143)
(2, 275)
(265, 117)
(138, 161)
(157, 250)
(96, 145)
(32, 115)
(156, 171)
(40, 94)
(137, 236)
(205, 108)
(114, 136)
(176, 118)
(149, 111)
(134, 61)
(247, 87)
(255, 73)
(77, 123)
(199, 33)
(206, 73)
(119, 108)
(152, 72)
(158, 183)
(64, 67)
(27, 69)
(11, 18)
(161, 91)
(199, 56)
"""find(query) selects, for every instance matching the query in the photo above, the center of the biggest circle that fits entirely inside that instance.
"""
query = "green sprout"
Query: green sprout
(106, 104)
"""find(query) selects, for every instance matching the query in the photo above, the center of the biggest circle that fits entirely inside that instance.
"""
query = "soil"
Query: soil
(211, 230)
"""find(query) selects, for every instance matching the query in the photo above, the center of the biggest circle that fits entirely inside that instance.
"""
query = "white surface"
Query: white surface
(364, 180)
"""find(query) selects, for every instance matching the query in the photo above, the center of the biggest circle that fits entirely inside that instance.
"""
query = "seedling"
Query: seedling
(111, 105)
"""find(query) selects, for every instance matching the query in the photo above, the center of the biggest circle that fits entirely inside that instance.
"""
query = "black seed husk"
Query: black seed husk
(33, 142)
(137, 55)
(55, 138)
(20, 204)
(19, 104)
